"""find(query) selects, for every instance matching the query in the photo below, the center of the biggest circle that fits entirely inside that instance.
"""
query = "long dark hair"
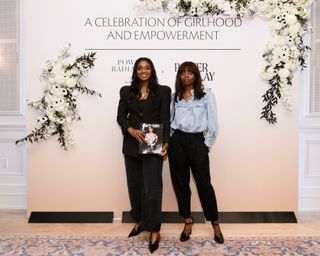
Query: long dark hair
(135, 81)
(197, 85)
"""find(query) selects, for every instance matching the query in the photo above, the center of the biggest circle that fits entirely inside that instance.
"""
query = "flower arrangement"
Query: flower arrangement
(289, 20)
(59, 104)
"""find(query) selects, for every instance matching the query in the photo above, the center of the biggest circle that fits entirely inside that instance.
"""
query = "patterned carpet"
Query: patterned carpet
(107, 246)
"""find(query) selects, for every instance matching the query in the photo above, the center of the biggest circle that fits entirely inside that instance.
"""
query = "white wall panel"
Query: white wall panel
(12, 168)
(309, 170)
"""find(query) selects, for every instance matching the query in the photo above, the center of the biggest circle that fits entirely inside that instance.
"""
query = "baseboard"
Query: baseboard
(71, 217)
(168, 217)
(226, 217)
(257, 217)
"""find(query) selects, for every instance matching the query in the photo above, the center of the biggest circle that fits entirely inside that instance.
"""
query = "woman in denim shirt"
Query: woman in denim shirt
(194, 128)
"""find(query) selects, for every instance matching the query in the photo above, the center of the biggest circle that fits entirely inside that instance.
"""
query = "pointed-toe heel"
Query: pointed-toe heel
(155, 245)
(135, 231)
(218, 237)
(185, 236)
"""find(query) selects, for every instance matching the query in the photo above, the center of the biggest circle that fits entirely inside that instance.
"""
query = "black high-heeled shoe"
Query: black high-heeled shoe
(185, 236)
(155, 245)
(135, 231)
(217, 237)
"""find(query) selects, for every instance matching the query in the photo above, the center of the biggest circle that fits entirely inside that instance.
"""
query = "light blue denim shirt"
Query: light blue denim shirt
(195, 116)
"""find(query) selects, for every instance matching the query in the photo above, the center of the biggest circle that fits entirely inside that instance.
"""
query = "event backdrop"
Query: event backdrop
(253, 164)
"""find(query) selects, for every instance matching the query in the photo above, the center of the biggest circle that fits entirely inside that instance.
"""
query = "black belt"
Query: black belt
(188, 133)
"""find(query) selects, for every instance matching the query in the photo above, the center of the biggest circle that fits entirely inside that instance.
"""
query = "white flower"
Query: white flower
(74, 72)
(266, 75)
(291, 19)
(42, 119)
(290, 39)
(52, 117)
(74, 93)
(286, 20)
(56, 90)
(271, 70)
(58, 105)
(293, 29)
(59, 79)
(70, 82)
(283, 73)
(61, 120)
(294, 52)
(292, 65)
(195, 3)
(276, 11)
(275, 25)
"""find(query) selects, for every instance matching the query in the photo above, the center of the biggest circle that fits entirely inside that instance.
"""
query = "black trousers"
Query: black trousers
(187, 150)
(144, 179)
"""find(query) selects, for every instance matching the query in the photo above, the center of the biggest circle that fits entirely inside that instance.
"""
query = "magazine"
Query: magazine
(153, 139)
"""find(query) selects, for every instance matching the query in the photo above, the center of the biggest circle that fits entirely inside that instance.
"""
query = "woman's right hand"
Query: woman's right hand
(137, 134)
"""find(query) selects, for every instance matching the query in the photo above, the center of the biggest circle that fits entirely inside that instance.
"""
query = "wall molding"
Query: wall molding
(20, 167)
(13, 187)
(12, 128)
(309, 169)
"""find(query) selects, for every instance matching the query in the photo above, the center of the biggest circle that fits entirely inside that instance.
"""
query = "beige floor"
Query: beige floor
(15, 222)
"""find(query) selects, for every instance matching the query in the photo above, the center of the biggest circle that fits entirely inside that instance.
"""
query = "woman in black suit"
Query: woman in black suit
(144, 101)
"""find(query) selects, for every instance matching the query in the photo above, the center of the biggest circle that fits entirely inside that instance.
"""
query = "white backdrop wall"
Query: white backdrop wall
(254, 165)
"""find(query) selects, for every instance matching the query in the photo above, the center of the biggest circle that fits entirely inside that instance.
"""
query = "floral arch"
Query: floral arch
(284, 53)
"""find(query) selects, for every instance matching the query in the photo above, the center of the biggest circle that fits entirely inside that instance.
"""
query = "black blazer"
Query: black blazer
(155, 111)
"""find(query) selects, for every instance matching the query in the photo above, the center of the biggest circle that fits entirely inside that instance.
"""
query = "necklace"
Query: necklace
(145, 94)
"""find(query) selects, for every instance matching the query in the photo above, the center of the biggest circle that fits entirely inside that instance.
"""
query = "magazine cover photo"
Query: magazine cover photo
(153, 141)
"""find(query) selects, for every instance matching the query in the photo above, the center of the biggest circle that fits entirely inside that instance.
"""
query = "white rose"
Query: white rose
(294, 29)
(283, 73)
(276, 11)
(224, 6)
(75, 93)
(59, 79)
(195, 2)
(291, 19)
(70, 82)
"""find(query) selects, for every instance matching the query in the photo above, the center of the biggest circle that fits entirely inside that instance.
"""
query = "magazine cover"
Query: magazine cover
(153, 141)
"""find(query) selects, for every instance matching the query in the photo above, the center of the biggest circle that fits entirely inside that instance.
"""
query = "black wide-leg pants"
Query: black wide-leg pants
(144, 180)
(188, 150)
